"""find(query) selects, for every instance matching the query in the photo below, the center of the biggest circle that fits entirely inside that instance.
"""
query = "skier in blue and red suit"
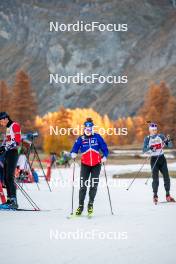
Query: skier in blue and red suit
(94, 152)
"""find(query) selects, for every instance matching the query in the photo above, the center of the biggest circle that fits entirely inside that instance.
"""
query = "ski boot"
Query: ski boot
(170, 199)
(11, 204)
(14, 204)
(79, 210)
(90, 209)
(155, 199)
(8, 201)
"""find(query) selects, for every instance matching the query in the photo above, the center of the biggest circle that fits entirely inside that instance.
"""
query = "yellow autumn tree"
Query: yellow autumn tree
(68, 119)
(54, 126)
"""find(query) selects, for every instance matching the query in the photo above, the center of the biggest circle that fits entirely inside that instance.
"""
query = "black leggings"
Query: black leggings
(10, 162)
(93, 172)
(160, 165)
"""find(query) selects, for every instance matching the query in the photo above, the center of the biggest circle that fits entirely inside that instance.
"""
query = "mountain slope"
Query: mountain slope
(145, 53)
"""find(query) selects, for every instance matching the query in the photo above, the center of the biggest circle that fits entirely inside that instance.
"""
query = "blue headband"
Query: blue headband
(88, 124)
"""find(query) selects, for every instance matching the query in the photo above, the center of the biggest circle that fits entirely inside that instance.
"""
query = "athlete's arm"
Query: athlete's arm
(146, 147)
(103, 146)
(76, 145)
(167, 141)
(17, 133)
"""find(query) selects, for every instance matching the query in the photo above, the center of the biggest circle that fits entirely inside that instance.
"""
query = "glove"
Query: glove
(152, 148)
(12, 146)
(103, 160)
(2, 149)
(167, 139)
(73, 155)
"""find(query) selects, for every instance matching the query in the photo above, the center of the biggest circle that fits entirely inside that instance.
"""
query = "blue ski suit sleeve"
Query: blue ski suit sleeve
(146, 144)
(103, 146)
(76, 145)
(168, 143)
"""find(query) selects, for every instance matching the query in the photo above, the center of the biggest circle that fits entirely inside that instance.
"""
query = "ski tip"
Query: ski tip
(90, 215)
(70, 216)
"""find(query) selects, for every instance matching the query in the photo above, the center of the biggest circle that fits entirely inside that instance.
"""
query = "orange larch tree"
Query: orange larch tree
(23, 104)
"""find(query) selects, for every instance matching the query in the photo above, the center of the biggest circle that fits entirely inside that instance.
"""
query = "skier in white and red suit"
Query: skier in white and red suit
(154, 144)
(9, 147)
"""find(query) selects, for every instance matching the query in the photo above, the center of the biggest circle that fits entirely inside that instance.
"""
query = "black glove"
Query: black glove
(152, 148)
(167, 140)
(2, 149)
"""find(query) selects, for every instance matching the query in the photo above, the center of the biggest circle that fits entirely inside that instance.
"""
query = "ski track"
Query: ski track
(151, 232)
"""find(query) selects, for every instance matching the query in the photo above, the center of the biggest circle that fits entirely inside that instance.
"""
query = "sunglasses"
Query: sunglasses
(153, 126)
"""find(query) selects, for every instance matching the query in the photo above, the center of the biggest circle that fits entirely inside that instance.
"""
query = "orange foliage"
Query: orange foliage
(69, 118)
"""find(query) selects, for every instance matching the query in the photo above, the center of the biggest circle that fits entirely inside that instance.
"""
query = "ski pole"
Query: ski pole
(145, 161)
(108, 189)
(28, 198)
(73, 189)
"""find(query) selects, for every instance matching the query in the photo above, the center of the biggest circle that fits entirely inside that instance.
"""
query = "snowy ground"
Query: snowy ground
(139, 232)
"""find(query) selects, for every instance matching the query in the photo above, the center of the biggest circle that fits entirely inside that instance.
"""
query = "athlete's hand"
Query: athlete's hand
(167, 140)
(103, 160)
(73, 155)
(2, 149)
(152, 148)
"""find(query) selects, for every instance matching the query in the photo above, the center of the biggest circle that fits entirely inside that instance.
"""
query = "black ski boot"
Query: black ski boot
(155, 199)
(8, 200)
(79, 210)
(13, 204)
(169, 198)
(90, 209)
